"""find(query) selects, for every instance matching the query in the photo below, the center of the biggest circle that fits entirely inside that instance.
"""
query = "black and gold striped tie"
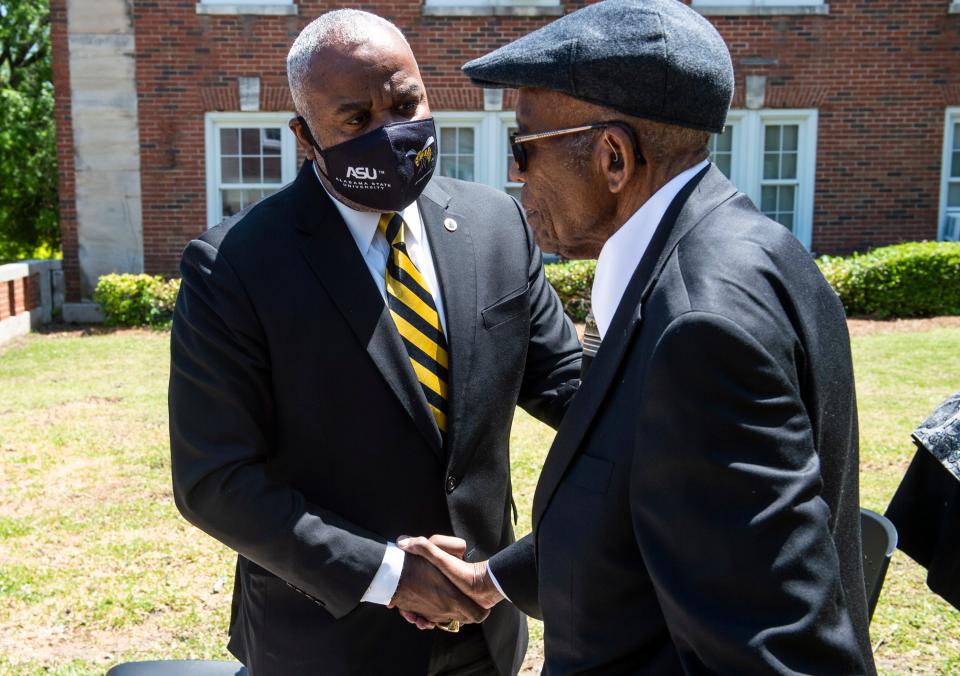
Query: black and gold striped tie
(415, 314)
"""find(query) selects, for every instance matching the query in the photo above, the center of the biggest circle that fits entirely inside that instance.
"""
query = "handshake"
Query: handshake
(438, 588)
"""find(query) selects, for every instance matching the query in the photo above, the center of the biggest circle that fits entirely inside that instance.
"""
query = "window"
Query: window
(246, 7)
(771, 156)
(458, 158)
(709, 7)
(475, 146)
(950, 187)
(249, 156)
(492, 7)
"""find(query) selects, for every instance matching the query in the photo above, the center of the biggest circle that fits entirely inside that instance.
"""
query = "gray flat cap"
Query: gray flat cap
(655, 59)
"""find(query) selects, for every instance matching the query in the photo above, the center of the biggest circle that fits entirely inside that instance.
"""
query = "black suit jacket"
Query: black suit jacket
(698, 510)
(301, 439)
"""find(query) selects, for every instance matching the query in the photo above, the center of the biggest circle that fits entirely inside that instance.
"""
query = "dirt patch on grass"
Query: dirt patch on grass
(866, 327)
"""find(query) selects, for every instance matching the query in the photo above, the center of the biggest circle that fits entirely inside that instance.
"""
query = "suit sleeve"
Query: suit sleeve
(552, 372)
(727, 509)
(516, 570)
(222, 426)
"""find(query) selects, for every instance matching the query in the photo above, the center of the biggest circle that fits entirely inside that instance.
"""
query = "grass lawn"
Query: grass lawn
(97, 567)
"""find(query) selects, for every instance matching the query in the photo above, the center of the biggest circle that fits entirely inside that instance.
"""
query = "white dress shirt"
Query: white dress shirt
(375, 249)
(621, 254)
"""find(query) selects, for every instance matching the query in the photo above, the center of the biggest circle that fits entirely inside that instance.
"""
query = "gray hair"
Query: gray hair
(337, 28)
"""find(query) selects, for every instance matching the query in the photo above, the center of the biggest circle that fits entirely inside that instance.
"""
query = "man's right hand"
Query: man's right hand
(425, 592)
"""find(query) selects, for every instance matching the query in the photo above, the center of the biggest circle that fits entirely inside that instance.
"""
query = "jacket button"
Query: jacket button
(451, 483)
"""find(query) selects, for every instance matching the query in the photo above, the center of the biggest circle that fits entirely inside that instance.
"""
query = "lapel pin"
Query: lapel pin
(450, 224)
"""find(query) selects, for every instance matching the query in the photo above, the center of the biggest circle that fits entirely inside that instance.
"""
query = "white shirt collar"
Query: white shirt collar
(621, 253)
(363, 224)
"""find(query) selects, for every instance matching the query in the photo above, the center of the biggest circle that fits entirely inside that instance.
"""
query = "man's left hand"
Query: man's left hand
(472, 579)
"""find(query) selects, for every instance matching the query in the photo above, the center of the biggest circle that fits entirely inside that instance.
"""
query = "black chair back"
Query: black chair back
(879, 540)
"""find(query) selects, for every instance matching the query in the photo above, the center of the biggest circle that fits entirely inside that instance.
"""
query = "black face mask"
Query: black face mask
(385, 169)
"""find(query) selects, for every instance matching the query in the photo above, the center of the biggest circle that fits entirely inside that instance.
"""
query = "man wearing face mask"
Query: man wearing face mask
(346, 359)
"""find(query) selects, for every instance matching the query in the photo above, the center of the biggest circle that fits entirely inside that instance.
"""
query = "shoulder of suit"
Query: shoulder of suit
(737, 262)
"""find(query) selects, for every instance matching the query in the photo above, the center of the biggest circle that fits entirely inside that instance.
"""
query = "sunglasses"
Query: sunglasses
(520, 153)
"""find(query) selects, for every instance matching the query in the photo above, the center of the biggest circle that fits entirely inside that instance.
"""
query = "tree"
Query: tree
(29, 218)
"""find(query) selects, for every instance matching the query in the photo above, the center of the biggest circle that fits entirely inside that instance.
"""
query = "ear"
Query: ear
(303, 137)
(618, 159)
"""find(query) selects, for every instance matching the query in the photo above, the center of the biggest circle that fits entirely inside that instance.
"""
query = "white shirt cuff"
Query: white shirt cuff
(384, 584)
(493, 578)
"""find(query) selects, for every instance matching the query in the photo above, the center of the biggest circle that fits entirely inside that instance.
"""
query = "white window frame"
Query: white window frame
(756, 3)
(492, 7)
(212, 124)
(758, 7)
(747, 159)
(490, 142)
(951, 119)
(266, 7)
(490, 3)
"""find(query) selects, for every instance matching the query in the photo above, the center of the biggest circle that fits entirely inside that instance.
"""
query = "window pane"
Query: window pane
(768, 199)
(230, 170)
(721, 151)
(771, 139)
(465, 168)
(787, 199)
(510, 161)
(271, 141)
(790, 134)
(771, 165)
(229, 141)
(251, 196)
(251, 169)
(465, 141)
(722, 142)
(955, 165)
(447, 166)
(786, 220)
(723, 163)
(232, 202)
(448, 140)
(788, 165)
(271, 169)
(956, 136)
(250, 141)
(953, 195)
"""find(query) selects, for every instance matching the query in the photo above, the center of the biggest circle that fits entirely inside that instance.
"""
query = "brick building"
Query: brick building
(172, 113)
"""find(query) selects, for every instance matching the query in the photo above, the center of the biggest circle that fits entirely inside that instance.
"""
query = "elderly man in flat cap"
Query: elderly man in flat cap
(698, 511)
(347, 358)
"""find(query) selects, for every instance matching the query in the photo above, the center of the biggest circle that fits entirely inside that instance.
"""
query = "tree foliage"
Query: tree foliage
(29, 220)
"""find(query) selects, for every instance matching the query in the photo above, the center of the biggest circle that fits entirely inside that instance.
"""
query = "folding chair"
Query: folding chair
(879, 540)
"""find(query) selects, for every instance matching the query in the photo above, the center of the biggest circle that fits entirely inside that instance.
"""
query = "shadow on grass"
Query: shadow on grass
(87, 330)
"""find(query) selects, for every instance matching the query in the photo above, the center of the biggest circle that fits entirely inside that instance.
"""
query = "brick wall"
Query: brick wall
(880, 73)
(65, 163)
(880, 76)
(19, 295)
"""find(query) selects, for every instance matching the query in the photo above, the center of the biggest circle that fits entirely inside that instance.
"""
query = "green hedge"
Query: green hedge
(915, 279)
(136, 300)
(572, 281)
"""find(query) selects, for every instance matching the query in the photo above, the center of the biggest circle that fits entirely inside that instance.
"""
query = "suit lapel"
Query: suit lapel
(455, 261)
(332, 254)
(705, 191)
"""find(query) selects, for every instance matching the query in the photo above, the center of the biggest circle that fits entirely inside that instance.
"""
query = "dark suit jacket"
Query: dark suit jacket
(926, 507)
(698, 510)
(301, 439)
